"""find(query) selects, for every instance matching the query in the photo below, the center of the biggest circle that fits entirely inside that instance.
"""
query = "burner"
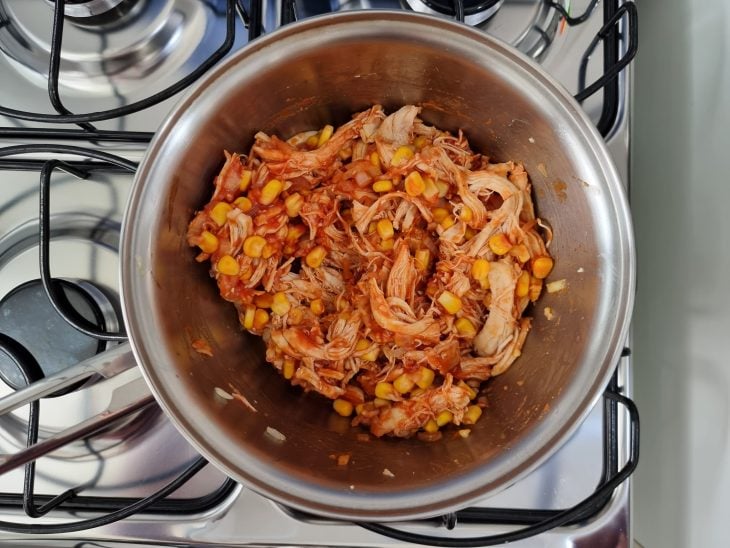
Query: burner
(475, 11)
(110, 45)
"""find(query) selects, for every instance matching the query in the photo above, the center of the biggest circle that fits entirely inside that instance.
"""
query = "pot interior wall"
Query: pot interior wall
(306, 83)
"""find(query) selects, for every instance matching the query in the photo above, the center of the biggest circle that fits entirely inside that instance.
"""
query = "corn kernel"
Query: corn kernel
(342, 407)
(385, 229)
(401, 155)
(293, 233)
(245, 180)
(466, 214)
(420, 141)
(245, 275)
(380, 402)
(268, 251)
(280, 304)
(260, 319)
(448, 222)
(361, 345)
(450, 302)
(425, 377)
(372, 355)
(541, 267)
(403, 384)
(499, 244)
(312, 141)
(422, 258)
(296, 315)
(227, 265)
(249, 316)
(443, 188)
(263, 301)
(315, 257)
(345, 153)
(523, 284)
(470, 390)
(271, 191)
(317, 306)
(464, 432)
(219, 213)
(243, 203)
(358, 408)
(444, 418)
(414, 184)
(469, 233)
(386, 245)
(480, 269)
(430, 190)
(431, 426)
(375, 160)
(520, 252)
(473, 412)
(465, 328)
(293, 204)
(439, 214)
(253, 246)
(208, 242)
(325, 135)
(535, 288)
(289, 367)
(385, 391)
(385, 185)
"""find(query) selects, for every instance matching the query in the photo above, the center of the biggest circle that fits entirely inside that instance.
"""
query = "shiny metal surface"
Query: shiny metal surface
(90, 8)
(508, 107)
(470, 19)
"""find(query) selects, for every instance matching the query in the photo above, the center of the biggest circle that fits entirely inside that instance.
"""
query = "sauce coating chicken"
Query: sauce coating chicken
(386, 265)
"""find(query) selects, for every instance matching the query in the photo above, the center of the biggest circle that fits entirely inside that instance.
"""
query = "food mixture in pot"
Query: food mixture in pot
(386, 265)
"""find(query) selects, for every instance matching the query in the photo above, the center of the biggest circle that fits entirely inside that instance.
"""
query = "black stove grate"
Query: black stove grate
(620, 25)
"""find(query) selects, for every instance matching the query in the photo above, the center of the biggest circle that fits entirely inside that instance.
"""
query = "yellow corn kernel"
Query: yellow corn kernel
(375, 160)
(325, 135)
(520, 252)
(280, 304)
(470, 390)
(535, 288)
(208, 242)
(361, 345)
(444, 418)
(271, 191)
(385, 185)
(386, 245)
(342, 407)
(401, 155)
(260, 319)
(403, 384)
(423, 258)
(227, 265)
(385, 229)
(420, 141)
(358, 408)
(253, 246)
(414, 184)
(473, 412)
(480, 269)
(541, 267)
(268, 251)
(312, 141)
(315, 257)
(380, 402)
(293, 233)
(439, 214)
(245, 180)
(448, 222)
(317, 306)
(385, 391)
(443, 188)
(430, 190)
(245, 275)
(345, 153)
(431, 426)
(219, 213)
(450, 302)
(466, 214)
(248, 317)
(425, 377)
(469, 233)
(465, 327)
(296, 315)
(499, 244)
(293, 204)
(288, 368)
(523, 284)
(263, 301)
(243, 203)
(372, 355)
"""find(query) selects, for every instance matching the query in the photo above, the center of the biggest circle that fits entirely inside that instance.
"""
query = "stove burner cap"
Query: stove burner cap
(27, 315)
(475, 11)
(96, 12)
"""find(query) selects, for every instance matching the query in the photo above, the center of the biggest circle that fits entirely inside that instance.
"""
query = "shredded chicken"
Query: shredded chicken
(386, 265)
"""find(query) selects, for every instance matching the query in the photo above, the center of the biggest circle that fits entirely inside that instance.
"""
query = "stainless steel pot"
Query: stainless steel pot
(321, 71)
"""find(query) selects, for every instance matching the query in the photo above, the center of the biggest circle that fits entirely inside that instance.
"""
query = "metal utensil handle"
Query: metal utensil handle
(126, 399)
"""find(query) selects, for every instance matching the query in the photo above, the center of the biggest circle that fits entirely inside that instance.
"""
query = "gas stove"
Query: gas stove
(85, 85)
